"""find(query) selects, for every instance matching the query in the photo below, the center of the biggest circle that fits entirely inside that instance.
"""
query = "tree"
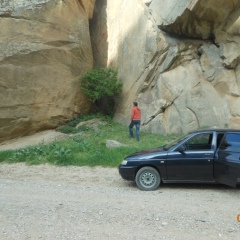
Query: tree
(100, 85)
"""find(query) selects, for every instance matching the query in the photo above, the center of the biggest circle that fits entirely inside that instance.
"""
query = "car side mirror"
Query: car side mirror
(180, 149)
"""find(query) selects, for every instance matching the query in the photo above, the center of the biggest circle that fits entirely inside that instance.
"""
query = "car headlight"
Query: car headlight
(124, 162)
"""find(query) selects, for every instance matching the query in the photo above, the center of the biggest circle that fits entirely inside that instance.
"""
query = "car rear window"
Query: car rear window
(231, 142)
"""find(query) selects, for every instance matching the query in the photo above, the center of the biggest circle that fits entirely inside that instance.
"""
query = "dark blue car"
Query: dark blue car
(203, 156)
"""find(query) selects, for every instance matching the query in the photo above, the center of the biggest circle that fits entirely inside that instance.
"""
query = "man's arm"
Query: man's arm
(132, 115)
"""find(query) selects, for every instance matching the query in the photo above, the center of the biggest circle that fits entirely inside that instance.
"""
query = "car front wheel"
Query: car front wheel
(148, 179)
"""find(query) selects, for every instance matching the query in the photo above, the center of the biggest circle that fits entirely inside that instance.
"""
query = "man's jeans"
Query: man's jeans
(137, 124)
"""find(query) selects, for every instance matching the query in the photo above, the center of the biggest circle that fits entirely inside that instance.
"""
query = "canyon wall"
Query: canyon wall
(45, 47)
(178, 59)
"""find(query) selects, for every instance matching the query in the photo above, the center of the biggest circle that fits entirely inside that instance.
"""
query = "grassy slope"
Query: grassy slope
(88, 148)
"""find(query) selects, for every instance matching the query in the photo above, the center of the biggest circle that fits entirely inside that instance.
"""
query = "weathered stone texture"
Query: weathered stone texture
(178, 59)
(169, 63)
(44, 48)
(192, 18)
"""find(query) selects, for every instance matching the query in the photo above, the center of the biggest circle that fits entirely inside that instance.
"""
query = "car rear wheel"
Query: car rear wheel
(148, 179)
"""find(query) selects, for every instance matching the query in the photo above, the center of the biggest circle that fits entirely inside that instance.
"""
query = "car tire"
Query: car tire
(148, 179)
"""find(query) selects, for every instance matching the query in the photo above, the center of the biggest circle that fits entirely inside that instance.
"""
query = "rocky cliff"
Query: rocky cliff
(178, 59)
(44, 48)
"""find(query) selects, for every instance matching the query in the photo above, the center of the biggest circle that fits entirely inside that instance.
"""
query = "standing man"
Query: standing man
(135, 120)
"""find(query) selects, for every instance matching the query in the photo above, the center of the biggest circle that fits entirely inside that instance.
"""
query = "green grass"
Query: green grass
(88, 148)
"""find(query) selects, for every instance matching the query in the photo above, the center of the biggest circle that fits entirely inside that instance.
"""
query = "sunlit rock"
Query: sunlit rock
(44, 48)
(178, 59)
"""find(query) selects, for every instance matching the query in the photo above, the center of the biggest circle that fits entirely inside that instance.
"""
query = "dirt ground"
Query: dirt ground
(43, 137)
(49, 202)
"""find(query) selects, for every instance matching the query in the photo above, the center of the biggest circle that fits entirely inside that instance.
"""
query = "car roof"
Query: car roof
(216, 130)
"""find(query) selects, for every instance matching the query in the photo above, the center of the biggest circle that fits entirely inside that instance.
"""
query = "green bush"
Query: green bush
(100, 85)
(100, 82)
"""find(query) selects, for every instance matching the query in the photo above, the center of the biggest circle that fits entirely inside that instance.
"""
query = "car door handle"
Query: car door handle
(207, 155)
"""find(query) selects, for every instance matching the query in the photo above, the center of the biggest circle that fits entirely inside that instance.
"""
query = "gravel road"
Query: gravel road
(49, 202)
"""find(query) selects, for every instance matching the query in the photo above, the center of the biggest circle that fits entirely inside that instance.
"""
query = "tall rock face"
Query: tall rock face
(192, 18)
(178, 59)
(44, 48)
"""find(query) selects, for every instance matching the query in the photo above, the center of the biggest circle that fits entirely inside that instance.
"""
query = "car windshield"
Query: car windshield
(174, 142)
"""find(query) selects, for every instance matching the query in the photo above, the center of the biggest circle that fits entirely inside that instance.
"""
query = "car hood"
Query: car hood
(148, 152)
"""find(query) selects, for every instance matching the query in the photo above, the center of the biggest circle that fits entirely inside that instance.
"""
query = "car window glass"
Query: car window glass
(231, 142)
(199, 142)
(173, 143)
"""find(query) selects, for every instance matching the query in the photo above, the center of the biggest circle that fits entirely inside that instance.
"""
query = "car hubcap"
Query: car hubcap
(148, 179)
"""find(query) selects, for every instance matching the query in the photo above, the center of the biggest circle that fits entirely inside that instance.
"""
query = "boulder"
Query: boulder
(114, 144)
(45, 47)
(93, 123)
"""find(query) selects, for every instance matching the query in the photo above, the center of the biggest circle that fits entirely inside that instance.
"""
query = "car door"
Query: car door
(227, 160)
(195, 162)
